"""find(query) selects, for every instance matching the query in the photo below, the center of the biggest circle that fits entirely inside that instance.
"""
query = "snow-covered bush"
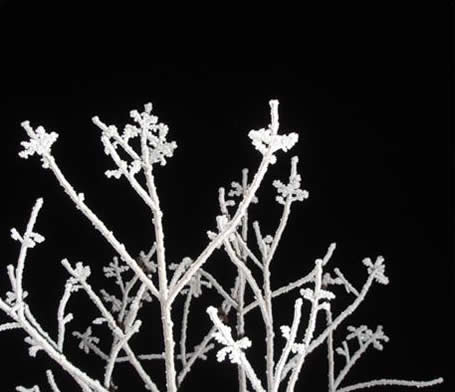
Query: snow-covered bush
(150, 278)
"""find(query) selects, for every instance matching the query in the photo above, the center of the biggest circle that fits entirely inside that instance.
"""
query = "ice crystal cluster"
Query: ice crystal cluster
(149, 276)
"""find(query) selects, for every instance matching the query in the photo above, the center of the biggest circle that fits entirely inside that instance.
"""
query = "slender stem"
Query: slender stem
(290, 342)
(24, 247)
(310, 328)
(61, 315)
(228, 230)
(242, 285)
(226, 306)
(384, 381)
(58, 357)
(251, 281)
(211, 279)
(99, 225)
(330, 355)
(242, 360)
(116, 350)
(165, 304)
(186, 312)
(114, 327)
(334, 325)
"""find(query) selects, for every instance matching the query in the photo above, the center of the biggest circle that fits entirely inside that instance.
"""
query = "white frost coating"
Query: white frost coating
(158, 148)
(377, 269)
(291, 191)
(40, 143)
(139, 280)
(86, 339)
(233, 348)
(264, 139)
(267, 140)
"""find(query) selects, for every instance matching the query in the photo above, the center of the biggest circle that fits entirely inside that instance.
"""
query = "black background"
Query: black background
(370, 101)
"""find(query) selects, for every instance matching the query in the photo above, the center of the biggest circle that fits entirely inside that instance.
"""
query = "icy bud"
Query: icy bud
(40, 143)
(116, 304)
(87, 340)
(265, 139)
(377, 269)
(292, 189)
(29, 241)
(156, 135)
(81, 271)
(34, 346)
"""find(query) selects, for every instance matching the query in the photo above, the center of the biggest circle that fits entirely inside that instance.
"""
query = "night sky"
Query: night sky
(375, 151)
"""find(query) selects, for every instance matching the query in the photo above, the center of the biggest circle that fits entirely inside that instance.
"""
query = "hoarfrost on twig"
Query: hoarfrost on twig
(135, 277)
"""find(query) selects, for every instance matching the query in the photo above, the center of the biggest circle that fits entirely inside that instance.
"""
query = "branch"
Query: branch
(385, 381)
(236, 354)
(267, 142)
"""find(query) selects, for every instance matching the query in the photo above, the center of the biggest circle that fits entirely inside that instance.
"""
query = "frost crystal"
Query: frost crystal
(221, 222)
(263, 139)
(116, 304)
(132, 169)
(377, 269)
(115, 270)
(196, 282)
(159, 147)
(40, 143)
(311, 295)
(232, 350)
(292, 190)
(365, 335)
(238, 190)
(81, 271)
(87, 340)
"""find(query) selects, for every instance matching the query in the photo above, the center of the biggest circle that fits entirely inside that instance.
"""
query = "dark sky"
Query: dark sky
(376, 155)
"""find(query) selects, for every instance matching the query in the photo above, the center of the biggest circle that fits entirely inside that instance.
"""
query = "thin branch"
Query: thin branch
(61, 319)
(24, 246)
(243, 361)
(248, 251)
(99, 225)
(186, 312)
(228, 229)
(115, 351)
(289, 343)
(219, 288)
(385, 381)
(338, 320)
(51, 380)
(330, 353)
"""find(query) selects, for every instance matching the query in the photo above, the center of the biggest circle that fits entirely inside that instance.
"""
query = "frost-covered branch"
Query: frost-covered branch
(136, 151)
(233, 349)
(78, 199)
(51, 380)
(290, 335)
(383, 382)
(267, 142)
